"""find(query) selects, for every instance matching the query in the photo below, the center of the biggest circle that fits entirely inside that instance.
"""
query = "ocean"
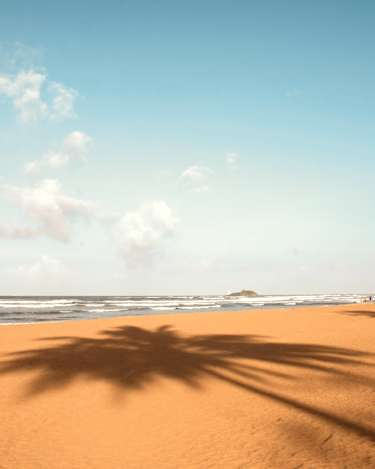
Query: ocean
(33, 309)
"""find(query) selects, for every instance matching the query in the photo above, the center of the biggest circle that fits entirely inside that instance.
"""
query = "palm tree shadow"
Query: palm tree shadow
(356, 313)
(130, 357)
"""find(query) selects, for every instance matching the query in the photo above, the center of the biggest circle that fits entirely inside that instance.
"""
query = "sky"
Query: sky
(187, 147)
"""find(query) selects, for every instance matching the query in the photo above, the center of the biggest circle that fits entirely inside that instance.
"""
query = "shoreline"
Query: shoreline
(227, 310)
(291, 387)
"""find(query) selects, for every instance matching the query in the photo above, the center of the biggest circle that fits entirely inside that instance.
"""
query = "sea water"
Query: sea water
(31, 309)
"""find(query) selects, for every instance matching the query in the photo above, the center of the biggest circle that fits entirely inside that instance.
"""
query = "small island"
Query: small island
(243, 293)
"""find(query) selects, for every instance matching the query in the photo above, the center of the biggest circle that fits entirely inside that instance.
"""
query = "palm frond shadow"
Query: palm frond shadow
(130, 357)
(356, 313)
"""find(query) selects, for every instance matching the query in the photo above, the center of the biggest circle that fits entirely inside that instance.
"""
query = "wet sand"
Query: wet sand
(282, 388)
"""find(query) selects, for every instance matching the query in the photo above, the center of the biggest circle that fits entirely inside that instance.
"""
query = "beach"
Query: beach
(269, 388)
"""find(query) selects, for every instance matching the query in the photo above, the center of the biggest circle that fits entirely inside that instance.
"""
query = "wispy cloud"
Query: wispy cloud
(9, 231)
(25, 91)
(48, 208)
(62, 101)
(232, 160)
(74, 147)
(15, 56)
(35, 98)
(141, 234)
(196, 178)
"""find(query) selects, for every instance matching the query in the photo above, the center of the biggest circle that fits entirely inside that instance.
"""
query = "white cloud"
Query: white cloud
(53, 160)
(196, 178)
(142, 234)
(45, 267)
(62, 106)
(232, 160)
(77, 142)
(8, 231)
(16, 55)
(25, 90)
(33, 167)
(34, 99)
(75, 146)
(48, 207)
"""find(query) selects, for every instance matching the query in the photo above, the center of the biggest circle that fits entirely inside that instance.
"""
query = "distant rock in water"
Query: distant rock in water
(243, 293)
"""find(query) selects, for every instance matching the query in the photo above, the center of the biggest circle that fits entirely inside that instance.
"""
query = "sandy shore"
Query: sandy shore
(287, 388)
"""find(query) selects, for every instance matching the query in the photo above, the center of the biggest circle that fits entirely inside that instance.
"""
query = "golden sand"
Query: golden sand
(286, 388)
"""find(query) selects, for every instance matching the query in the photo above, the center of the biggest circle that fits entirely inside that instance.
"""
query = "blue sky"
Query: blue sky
(197, 147)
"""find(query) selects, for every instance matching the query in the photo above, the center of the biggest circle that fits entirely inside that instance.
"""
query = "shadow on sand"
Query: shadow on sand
(365, 313)
(130, 357)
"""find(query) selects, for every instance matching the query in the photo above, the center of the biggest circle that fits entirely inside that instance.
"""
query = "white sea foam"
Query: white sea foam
(34, 309)
(202, 307)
